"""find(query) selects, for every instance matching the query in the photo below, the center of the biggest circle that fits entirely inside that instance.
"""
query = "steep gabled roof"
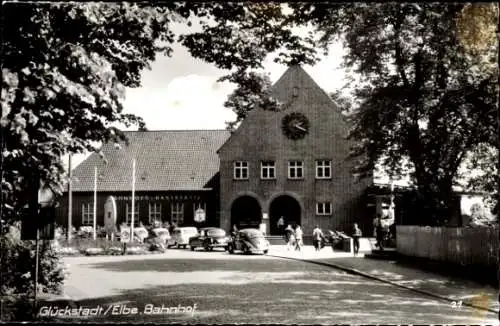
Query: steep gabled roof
(295, 77)
(295, 83)
(165, 160)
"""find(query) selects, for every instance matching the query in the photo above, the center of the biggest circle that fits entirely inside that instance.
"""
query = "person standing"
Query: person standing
(317, 236)
(281, 224)
(355, 236)
(298, 238)
(263, 227)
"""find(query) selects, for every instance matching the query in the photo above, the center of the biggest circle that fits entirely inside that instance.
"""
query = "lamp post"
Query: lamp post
(70, 201)
(95, 204)
(133, 202)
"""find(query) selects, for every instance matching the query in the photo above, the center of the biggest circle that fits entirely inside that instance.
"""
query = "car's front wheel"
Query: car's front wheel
(192, 247)
(246, 250)
(230, 249)
(265, 252)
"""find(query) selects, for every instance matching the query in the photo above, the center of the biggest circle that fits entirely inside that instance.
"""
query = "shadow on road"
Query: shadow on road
(257, 291)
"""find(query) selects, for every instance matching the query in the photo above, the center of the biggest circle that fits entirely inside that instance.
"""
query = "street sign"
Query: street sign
(38, 218)
(199, 215)
(125, 235)
(110, 215)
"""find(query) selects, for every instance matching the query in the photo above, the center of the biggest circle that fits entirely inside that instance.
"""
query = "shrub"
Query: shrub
(114, 251)
(136, 250)
(17, 268)
(67, 251)
(94, 251)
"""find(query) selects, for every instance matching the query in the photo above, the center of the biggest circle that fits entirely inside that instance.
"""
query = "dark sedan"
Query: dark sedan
(209, 238)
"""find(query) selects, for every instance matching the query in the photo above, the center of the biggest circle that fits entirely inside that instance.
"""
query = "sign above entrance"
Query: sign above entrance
(199, 215)
(168, 198)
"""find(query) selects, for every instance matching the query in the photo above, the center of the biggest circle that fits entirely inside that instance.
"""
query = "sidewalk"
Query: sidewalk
(451, 289)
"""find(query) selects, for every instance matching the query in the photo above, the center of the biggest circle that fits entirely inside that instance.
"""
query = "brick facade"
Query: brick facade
(260, 138)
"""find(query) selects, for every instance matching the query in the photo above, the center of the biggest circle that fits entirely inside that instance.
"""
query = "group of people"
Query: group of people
(382, 233)
(293, 238)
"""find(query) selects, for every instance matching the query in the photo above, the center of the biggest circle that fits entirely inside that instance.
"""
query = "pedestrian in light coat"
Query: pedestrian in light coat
(298, 238)
(317, 237)
(289, 237)
(355, 236)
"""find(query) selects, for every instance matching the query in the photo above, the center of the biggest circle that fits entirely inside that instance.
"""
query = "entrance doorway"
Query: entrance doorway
(285, 206)
(246, 213)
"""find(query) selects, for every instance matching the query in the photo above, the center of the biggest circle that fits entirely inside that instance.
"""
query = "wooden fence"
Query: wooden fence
(463, 246)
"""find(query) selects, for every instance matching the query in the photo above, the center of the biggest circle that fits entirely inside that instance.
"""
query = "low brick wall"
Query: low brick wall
(475, 247)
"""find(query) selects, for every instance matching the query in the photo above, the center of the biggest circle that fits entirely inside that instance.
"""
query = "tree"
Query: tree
(476, 26)
(66, 65)
(425, 98)
(253, 90)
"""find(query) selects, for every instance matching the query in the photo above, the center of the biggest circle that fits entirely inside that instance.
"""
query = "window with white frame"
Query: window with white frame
(87, 214)
(323, 169)
(128, 216)
(268, 170)
(177, 213)
(241, 170)
(324, 208)
(154, 212)
(295, 169)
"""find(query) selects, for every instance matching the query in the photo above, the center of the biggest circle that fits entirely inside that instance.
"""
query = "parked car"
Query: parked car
(209, 238)
(249, 241)
(180, 236)
(157, 238)
(161, 233)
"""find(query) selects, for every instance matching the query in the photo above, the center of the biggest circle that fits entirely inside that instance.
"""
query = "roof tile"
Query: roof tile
(165, 160)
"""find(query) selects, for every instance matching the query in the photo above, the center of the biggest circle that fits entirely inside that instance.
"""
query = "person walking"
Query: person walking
(289, 238)
(355, 236)
(379, 233)
(298, 238)
(317, 237)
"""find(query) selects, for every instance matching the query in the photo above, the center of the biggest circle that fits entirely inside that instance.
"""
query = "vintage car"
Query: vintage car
(161, 233)
(180, 236)
(158, 238)
(209, 238)
(249, 241)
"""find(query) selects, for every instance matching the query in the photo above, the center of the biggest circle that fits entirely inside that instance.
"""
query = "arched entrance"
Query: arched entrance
(246, 212)
(285, 206)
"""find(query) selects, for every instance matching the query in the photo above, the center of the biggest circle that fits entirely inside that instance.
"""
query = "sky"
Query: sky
(183, 93)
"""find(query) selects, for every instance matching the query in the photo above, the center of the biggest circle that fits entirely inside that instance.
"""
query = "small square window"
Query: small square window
(323, 169)
(240, 170)
(295, 170)
(324, 208)
(268, 170)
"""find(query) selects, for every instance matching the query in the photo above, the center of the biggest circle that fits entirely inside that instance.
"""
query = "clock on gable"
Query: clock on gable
(295, 125)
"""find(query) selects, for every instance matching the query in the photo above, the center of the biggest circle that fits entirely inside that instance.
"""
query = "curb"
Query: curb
(366, 275)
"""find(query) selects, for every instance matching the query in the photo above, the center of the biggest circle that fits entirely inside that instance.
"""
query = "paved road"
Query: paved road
(223, 288)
